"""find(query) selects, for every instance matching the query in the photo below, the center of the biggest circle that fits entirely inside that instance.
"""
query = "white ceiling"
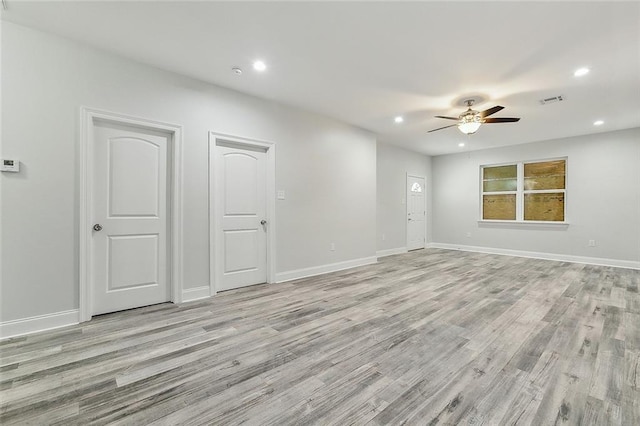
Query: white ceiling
(366, 62)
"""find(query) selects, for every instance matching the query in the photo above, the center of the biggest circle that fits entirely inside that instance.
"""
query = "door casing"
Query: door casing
(216, 139)
(174, 252)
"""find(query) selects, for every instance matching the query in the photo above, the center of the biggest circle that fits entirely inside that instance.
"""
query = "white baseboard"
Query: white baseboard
(197, 293)
(38, 323)
(629, 264)
(324, 269)
(391, 252)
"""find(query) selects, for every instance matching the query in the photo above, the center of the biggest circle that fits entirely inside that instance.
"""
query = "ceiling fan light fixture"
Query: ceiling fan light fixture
(470, 122)
(469, 128)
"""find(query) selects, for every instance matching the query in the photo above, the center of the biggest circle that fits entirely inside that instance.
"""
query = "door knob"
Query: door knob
(97, 227)
(263, 222)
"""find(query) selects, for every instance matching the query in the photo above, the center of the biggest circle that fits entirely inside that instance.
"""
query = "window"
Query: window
(530, 191)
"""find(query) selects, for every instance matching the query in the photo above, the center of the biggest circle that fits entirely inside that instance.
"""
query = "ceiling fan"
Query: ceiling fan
(469, 121)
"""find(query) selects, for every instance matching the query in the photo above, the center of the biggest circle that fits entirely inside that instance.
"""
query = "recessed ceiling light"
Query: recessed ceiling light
(581, 71)
(461, 144)
(259, 66)
(598, 123)
(398, 119)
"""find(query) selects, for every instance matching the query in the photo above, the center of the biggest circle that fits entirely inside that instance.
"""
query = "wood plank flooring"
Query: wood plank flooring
(429, 337)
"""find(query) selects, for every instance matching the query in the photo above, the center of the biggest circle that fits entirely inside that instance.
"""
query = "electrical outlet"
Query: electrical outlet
(468, 234)
(592, 243)
(384, 237)
(332, 247)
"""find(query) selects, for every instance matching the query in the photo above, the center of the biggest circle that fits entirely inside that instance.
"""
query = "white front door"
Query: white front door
(416, 212)
(130, 217)
(240, 195)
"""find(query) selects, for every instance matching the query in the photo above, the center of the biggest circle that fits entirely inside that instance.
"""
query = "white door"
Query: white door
(416, 212)
(240, 194)
(130, 217)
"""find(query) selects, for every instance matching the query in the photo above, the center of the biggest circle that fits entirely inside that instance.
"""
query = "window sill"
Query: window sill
(523, 225)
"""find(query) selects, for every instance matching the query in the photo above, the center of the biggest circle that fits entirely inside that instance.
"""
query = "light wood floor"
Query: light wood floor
(429, 337)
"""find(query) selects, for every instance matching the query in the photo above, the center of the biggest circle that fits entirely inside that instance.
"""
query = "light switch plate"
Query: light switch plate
(280, 194)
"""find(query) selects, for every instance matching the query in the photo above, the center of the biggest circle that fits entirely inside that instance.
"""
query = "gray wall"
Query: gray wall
(603, 198)
(325, 167)
(393, 164)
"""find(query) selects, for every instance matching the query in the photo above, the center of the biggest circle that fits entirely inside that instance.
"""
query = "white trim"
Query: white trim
(88, 115)
(616, 263)
(524, 224)
(197, 293)
(324, 269)
(391, 252)
(270, 149)
(38, 323)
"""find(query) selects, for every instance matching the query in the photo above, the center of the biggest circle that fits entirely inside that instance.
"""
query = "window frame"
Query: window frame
(520, 192)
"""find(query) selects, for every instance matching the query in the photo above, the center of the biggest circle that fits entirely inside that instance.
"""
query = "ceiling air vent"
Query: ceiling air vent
(551, 100)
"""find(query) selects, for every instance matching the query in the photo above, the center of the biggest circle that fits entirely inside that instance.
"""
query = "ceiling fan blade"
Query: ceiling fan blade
(440, 128)
(448, 118)
(501, 120)
(490, 111)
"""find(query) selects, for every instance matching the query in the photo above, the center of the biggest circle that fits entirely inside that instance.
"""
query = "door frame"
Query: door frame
(88, 117)
(406, 216)
(215, 139)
